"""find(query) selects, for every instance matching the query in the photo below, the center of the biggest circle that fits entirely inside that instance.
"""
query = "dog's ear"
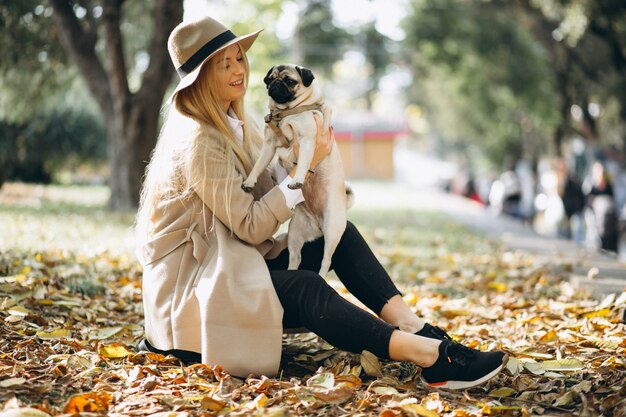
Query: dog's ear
(267, 80)
(306, 75)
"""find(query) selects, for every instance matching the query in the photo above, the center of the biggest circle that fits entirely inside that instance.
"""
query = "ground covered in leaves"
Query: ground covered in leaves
(70, 314)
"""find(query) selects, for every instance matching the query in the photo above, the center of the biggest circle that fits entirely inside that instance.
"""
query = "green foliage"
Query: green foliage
(37, 150)
(268, 50)
(320, 42)
(494, 84)
(33, 63)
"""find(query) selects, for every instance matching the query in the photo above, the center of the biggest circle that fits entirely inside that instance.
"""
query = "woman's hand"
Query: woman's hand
(323, 143)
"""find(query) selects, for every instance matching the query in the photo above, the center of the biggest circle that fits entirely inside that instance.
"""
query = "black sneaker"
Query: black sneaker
(185, 356)
(433, 332)
(459, 367)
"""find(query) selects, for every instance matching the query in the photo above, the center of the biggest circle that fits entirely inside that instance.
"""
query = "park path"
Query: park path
(598, 273)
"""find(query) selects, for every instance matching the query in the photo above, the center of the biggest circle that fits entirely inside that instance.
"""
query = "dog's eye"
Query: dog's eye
(290, 82)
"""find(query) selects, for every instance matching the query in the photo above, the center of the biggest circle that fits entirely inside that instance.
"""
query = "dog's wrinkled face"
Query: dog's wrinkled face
(286, 82)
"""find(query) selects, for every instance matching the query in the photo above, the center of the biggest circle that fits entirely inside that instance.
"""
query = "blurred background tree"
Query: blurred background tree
(319, 43)
(491, 81)
(119, 48)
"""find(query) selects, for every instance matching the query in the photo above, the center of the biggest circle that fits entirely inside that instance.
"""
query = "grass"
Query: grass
(76, 219)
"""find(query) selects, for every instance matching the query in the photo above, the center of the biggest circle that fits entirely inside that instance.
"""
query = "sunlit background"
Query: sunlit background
(501, 102)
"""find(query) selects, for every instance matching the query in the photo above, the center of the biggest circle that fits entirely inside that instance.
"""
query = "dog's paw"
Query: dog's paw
(247, 187)
(294, 185)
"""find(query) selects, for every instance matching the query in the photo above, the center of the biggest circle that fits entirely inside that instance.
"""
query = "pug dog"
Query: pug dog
(294, 100)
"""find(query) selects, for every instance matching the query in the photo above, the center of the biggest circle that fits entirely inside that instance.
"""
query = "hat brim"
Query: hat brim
(245, 41)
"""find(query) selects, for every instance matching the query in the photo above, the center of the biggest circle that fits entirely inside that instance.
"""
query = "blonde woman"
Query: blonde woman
(216, 287)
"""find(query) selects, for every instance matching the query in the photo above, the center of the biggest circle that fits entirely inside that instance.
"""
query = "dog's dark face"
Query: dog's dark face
(286, 82)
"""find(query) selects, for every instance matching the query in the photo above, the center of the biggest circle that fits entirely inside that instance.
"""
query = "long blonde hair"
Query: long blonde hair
(168, 173)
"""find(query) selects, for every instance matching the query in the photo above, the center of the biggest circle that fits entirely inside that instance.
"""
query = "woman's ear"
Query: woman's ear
(306, 75)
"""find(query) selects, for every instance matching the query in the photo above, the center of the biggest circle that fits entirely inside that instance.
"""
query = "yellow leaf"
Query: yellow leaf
(115, 351)
(605, 312)
(19, 311)
(600, 344)
(549, 337)
(452, 313)
(562, 365)
(371, 364)
(55, 334)
(503, 392)
(12, 382)
(498, 286)
(410, 298)
(212, 404)
(260, 401)
(420, 410)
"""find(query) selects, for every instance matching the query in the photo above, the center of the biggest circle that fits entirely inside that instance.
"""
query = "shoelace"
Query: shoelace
(458, 353)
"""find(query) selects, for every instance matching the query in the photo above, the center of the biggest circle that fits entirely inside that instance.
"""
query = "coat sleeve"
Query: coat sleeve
(252, 221)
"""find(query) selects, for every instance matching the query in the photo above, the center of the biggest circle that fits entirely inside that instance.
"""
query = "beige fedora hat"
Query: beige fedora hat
(192, 43)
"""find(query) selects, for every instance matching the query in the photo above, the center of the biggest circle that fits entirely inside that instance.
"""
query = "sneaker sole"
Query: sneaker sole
(470, 384)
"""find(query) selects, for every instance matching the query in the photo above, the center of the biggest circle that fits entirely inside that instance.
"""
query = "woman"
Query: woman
(215, 285)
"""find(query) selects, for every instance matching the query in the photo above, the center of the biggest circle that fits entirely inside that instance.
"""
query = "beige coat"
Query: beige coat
(208, 290)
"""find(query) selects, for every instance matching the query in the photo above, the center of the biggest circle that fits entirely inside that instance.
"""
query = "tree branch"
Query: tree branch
(81, 48)
(167, 14)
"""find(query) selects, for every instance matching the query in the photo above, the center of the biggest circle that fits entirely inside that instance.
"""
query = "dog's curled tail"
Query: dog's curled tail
(349, 196)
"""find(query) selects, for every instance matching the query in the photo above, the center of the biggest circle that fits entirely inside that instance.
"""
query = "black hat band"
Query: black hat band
(206, 50)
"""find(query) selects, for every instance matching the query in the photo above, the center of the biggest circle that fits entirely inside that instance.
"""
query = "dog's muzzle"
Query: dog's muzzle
(279, 91)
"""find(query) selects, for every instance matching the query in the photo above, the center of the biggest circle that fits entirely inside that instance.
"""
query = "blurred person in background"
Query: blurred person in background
(601, 215)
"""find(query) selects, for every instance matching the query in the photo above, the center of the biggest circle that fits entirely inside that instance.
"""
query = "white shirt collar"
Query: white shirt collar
(235, 123)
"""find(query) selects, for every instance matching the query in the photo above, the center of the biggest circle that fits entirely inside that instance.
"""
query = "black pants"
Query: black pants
(308, 301)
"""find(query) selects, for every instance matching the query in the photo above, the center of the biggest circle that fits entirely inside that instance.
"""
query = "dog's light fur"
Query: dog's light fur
(326, 196)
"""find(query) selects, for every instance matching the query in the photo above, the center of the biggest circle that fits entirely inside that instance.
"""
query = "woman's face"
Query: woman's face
(230, 71)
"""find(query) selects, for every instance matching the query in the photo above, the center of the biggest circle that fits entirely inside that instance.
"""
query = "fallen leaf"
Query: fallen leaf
(549, 337)
(212, 404)
(562, 365)
(23, 412)
(55, 334)
(371, 364)
(19, 311)
(12, 382)
(503, 392)
(91, 402)
(115, 351)
(419, 410)
(105, 332)
(324, 380)
(385, 390)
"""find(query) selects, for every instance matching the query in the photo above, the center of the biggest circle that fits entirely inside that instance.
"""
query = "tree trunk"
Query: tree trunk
(131, 119)
(130, 142)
